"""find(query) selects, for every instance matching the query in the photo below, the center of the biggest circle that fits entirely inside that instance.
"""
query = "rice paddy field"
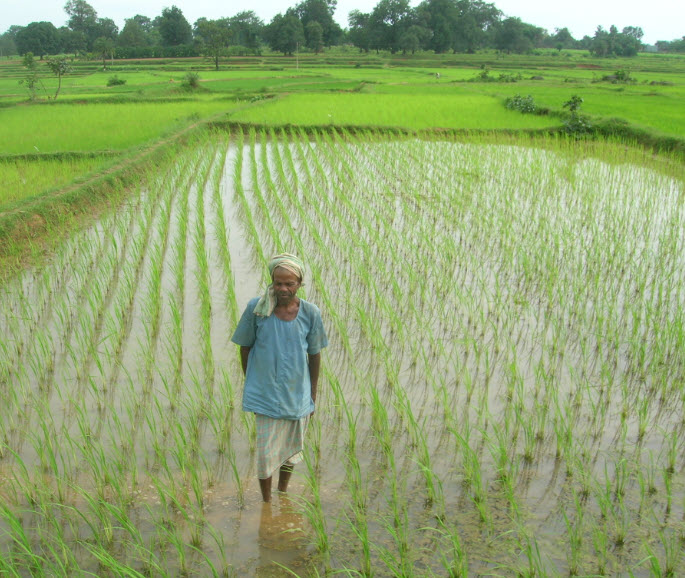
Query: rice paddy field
(502, 394)
(22, 180)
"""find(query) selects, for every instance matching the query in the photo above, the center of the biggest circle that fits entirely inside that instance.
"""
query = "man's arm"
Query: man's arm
(244, 354)
(314, 365)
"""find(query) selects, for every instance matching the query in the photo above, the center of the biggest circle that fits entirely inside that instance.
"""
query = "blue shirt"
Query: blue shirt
(277, 380)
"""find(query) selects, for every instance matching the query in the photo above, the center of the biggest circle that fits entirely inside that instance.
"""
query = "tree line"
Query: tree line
(393, 25)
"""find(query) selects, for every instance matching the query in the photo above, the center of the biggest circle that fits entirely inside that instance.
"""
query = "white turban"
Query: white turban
(267, 303)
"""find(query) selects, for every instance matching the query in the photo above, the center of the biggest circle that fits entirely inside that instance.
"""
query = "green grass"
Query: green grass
(458, 110)
(93, 127)
(23, 179)
(338, 87)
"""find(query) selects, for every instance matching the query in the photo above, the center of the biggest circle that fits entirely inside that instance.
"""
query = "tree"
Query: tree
(476, 25)
(82, 20)
(513, 35)
(31, 80)
(359, 29)
(389, 20)
(414, 38)
(246, 29)
(440, 17)
(214, 37)
(105, 27)
(174, 28)
(601, 44)
(633, 31)
(143, 21)
(132, 35)
(510, 36)
(320, 11)
(40, 38)
(59, 67)
(313, 32)
(104, 47)
(615, 43)
(71, 41)
(629, 42)
(7, 45)
(81, 15)
(675, 46)
(285, 33)
(562, 39)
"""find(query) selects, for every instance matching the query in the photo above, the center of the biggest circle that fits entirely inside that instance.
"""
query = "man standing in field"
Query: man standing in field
(281, 337)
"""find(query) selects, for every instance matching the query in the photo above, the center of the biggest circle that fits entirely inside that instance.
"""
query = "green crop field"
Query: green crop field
(23, 179)
(98, 126)
(503, 293)
(411, 111)
(502, 393)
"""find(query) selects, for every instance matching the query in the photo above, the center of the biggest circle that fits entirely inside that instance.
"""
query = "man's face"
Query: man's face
(285, 285)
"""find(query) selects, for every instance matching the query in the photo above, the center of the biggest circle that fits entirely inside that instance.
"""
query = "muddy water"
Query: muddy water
(504, 364)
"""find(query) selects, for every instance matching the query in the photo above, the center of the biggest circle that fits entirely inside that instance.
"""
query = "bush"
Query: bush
(116, 81)
(484, 76)
(619, 77)
(576, 124)
(524, 104)
(191, 81)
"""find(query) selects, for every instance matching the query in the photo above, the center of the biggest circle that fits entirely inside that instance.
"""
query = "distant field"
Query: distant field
(93, 127)
(21, 179)
(457, 110)
(343, 87)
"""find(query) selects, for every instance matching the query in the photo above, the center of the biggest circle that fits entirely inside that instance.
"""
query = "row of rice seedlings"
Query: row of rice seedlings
(221, 228)
(398, 507)
(404, 407)
(170, 376)
(532, 433)
(479, 355)
(96, 461)
(314, 508)
(173, 441)
(245, 212)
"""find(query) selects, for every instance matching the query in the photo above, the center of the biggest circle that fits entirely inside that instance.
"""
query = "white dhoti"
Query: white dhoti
(279, 442)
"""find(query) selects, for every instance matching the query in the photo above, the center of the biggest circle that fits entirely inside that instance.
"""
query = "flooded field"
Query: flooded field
(502, 394)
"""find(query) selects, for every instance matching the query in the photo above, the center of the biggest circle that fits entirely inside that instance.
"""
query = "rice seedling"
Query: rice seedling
(506, 348)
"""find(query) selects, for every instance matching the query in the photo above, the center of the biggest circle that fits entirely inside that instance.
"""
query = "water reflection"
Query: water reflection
(282, 539)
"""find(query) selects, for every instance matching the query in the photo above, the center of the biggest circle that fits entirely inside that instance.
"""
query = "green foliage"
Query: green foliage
(41, 38)
(319, 12)
(104, 47)
(621, 76)
(573, 104)
(285, 33)
(505, 77)
(214, 36)
(174, 28)
(524, 104)
(191, 81)
(314, 36)
(116, 81)
(59, 67)
(31, 79)
(614, 43)
(576, 124)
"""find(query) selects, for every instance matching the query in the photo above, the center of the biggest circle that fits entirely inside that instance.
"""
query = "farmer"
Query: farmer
(281, 337)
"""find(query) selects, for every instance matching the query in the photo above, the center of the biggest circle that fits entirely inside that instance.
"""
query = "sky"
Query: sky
(659, 19)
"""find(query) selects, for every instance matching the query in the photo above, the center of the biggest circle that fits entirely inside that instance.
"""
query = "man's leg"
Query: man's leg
(265, 487)
(284, 477)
